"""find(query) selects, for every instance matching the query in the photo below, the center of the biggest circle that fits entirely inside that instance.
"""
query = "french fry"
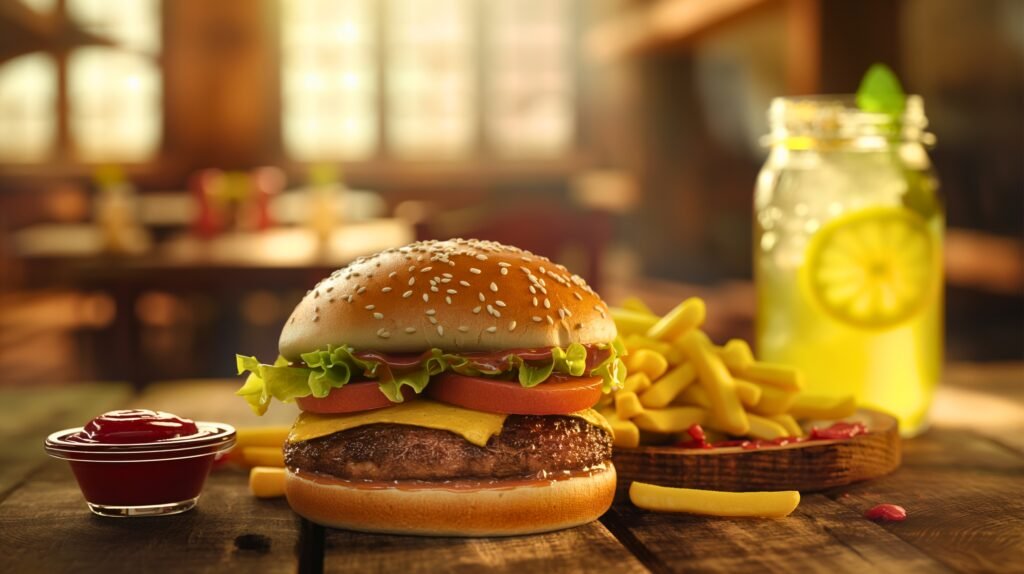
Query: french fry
(694, 395)
(714, 503)
(261, 436)
(624, 433)
(266, 481)
(668, 387)
(263, 456)
(636, 383)
(774, 401)
(651, 363)
(726, 410)
(627, 405)
(817, 407)
(766, 429)
(736, 355)
(748, 393)
(789, 423)
(670, 420)
(671, 352)
(629, 322)
(686, 316)
(781, 376)
(636, 305)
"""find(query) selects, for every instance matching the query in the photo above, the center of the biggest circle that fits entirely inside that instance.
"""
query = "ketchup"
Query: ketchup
(837, 431)
(135, 426)
(141, 462)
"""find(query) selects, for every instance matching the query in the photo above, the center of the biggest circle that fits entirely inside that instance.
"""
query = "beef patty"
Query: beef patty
(527, 445)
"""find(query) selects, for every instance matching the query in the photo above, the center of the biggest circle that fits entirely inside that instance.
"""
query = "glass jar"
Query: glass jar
(848, 228)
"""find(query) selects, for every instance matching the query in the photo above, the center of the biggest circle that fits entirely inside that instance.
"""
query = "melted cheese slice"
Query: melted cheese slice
(475, 426)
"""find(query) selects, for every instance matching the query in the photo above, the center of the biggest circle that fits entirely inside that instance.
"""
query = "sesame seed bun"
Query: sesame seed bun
(456, 295)
(499, 509)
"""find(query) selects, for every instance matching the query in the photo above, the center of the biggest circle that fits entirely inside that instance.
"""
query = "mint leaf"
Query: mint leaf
(880, 92)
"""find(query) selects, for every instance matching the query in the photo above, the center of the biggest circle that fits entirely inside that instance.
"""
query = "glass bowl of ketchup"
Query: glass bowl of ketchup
(140, 462)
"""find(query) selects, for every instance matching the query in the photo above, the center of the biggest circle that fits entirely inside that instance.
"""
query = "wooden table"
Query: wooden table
(961, 483)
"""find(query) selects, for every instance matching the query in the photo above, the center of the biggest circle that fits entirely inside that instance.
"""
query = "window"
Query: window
(113, 92)
(410, 79)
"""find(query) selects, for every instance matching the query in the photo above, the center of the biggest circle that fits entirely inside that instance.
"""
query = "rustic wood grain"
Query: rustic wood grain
(28, 415)
(821, 536)
(809, 466)
(588, 548)
(46, 527)
(963, 495)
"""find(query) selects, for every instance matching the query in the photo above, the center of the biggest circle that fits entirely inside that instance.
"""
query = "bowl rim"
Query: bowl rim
(212, 438)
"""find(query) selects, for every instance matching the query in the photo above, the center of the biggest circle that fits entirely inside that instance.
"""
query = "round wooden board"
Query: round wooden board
(807, 466)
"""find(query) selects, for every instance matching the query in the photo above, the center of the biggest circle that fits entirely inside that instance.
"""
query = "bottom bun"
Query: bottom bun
(502, 508)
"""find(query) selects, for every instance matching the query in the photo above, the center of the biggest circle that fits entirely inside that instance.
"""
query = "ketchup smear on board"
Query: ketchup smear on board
(135, 426)
(837, 431)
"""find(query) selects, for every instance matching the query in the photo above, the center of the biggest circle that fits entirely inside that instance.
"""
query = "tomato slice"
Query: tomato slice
(353, 397)
(560, 394)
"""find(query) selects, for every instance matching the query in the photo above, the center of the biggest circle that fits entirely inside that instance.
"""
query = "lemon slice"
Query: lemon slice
(872, 268)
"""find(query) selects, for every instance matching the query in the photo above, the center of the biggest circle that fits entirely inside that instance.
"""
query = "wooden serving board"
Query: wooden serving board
(807, 466)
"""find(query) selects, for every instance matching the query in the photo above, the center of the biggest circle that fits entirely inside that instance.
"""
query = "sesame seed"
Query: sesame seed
(434, 289)
(386, 290)
(329, 289)
(533, 290)
(371, 307)
(464, 283)
(430, 311)
(577, 296)
(412, 268)
(348, 298)
(512, 326)
(481, 296)
(426, 270)
(494, 287)
(410, 330)
(481, 257)
(542, 270)
(499, 303)
(448, 275)
(378, 316)
(504, 264)
(568, 313)
(316, 294)
(474, 270)
(407, 294)
(448, 299)
(491, 329)
(451, 291)
(547, 303)
(476, 309)
(598, 308)
(426, 298)
(392, 274)
(536, 319)
(535, 302)
(433, 320)
(361, 290)
(440, 330)
(463, 329)
(412, 280)
(504, 271)
(561, 313)
(383, 333)
(549, 319)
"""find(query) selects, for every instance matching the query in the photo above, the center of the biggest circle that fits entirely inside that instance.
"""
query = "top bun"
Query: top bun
(456, 295)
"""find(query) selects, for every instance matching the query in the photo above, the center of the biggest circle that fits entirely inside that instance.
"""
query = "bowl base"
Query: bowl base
(142, 511)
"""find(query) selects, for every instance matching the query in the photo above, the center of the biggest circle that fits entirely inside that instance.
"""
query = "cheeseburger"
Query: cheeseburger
(446, 389)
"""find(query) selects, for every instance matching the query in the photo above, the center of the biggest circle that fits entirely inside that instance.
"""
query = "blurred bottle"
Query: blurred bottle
(326, 190)
(115, 211)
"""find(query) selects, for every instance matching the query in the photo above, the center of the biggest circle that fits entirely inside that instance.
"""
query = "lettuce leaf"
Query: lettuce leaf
(334, 367)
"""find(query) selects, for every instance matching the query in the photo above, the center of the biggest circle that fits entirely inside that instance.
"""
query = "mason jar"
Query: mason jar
(848, 226)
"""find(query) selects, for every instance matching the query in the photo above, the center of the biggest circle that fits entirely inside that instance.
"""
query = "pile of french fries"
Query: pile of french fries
(261, 450)
(679, 378)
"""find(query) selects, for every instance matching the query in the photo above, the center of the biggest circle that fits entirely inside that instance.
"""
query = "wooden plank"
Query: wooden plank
(229, 530)
(28, 415)
(962, 493)
(588, 548)
(46, 527)
(821, 536)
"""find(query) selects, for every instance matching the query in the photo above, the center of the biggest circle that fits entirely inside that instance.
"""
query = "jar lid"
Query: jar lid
(835, 118)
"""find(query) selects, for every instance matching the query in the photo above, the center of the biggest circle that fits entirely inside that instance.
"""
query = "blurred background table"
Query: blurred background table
(960, 483)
